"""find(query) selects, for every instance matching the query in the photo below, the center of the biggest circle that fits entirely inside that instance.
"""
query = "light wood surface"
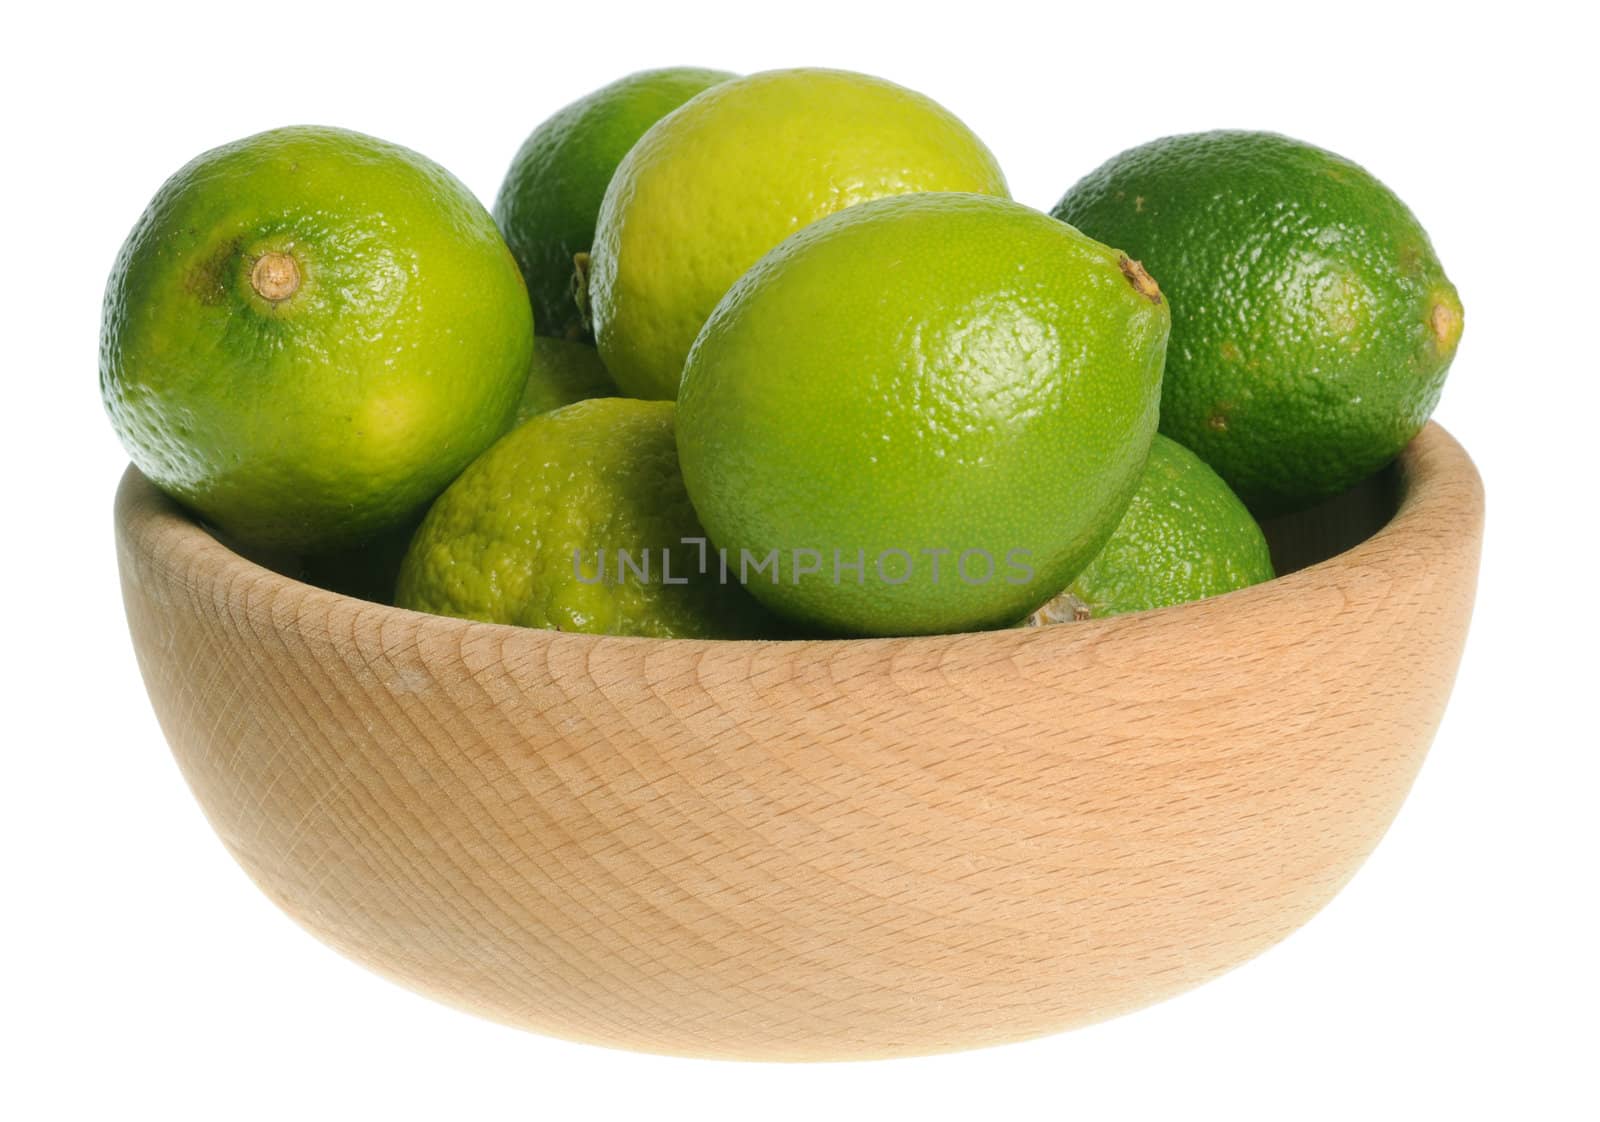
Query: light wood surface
(811, 850)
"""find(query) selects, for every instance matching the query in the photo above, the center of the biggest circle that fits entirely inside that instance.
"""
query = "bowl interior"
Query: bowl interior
(1335, 525)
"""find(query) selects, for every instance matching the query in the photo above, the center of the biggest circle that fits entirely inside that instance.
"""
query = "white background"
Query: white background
(1455, 977)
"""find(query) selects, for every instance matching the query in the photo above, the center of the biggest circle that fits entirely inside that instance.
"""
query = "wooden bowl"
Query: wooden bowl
(814, 849)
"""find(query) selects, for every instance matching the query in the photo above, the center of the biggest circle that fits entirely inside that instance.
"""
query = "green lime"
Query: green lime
(577, 520)
(550, 198)
(1312, 324)
(562, 373)
(1185, 536)
(922, 414)
(308, 334)
(714, 185)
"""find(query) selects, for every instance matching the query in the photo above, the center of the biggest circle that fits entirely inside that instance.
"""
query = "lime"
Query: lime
(715, 184)
(922, 414)
(308, 334)
(1312, 324)
(1185, 536)
(547, 205)
(577, 520)
(562, 373)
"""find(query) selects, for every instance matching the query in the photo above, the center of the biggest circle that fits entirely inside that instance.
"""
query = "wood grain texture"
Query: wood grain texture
(808, 850)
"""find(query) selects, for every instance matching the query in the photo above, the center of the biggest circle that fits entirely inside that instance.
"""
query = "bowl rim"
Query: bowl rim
(1436, 480)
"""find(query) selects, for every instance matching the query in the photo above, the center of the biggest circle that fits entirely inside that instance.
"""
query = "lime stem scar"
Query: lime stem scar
(579, 286)
(1143, 283)
(275, 277)
(1061, 608)
(1445, 322)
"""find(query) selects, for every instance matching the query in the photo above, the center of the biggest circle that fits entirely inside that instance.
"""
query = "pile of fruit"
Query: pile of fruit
(768, 356)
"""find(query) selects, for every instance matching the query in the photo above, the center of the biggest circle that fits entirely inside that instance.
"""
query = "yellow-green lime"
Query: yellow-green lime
(1185, 536)
(1312, 324)
(577, 520)
(563, 372)
(308, 334)
(731, 173)
(550, 198)
(925, 413)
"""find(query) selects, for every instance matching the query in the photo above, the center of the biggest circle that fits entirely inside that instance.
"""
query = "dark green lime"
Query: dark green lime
(1312, 324)
(551, 196)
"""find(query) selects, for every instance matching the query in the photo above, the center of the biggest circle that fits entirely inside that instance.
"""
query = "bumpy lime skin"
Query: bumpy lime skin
(319, 421)
(550, 197)
(598, 475)
(1312, 324)
(927, 372)
(718, 182)
(1185, 536)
